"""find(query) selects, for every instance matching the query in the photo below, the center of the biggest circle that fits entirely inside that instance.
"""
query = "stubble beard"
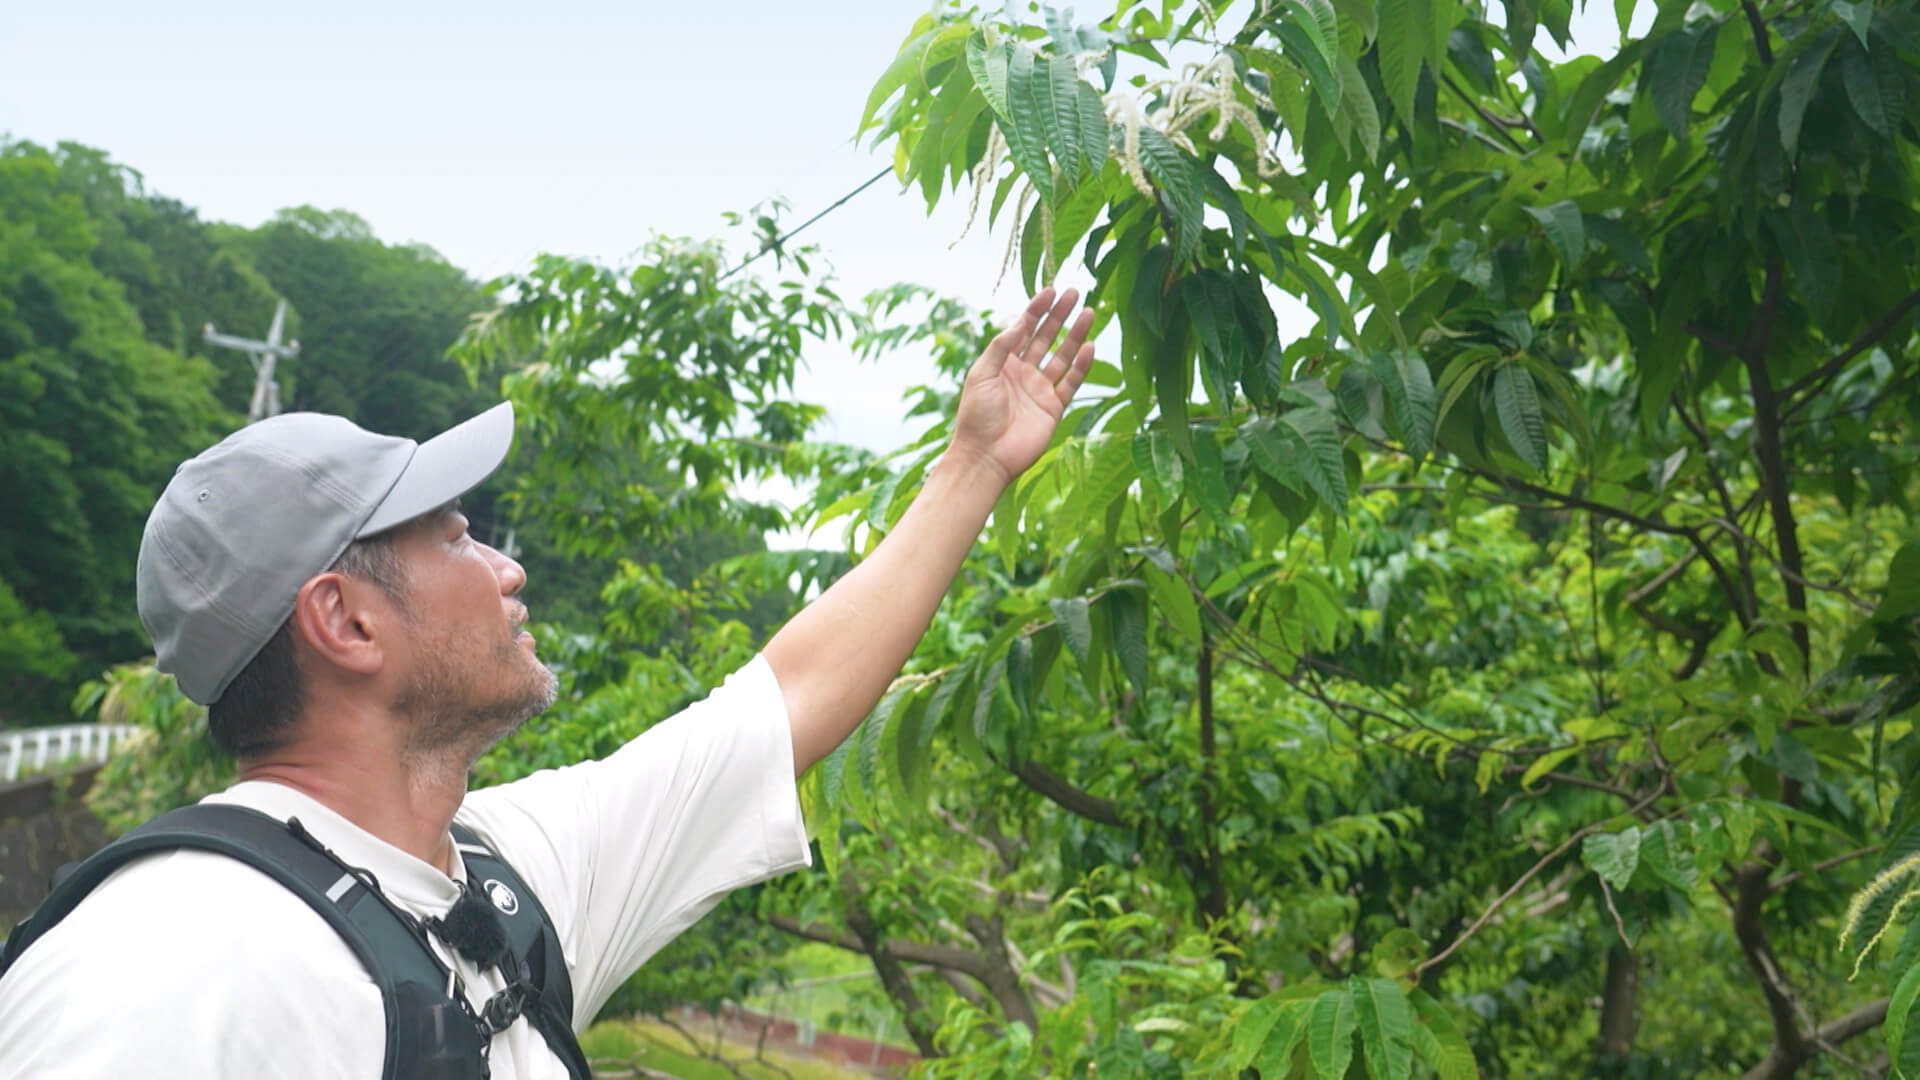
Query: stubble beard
(450, 721)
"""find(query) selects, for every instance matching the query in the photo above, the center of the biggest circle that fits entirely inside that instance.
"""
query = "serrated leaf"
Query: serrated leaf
(1676, 70)
(1665, 854)
(1060, 115)
(1322, 76)
(1385, 1020)
(1614, 856)
(1250, 1033)
(1356, 103)
(1071, 613)
(914, 737)
(1857, 16)
(1797, 89)
(1319, 453)
(1565, 229)
(1410, 395)
(1900, 1009)
(1270, 453)
(1330, 1034)
(1523, 17)
(988, 63)
(1127, 614)
(905, 66)
(1402, 45)
(1289, 1027)
(1094, 135)
(1517, 401)
(1444, 1049)
(1876, 84)
(1025, 126)
(1173, 176)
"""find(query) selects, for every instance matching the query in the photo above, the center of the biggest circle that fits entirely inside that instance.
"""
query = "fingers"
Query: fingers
(1036, 347)
(1076, 374)
(1063, 357)
(1014, 339)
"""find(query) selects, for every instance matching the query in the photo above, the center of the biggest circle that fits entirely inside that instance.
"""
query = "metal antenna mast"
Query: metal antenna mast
(266, 392)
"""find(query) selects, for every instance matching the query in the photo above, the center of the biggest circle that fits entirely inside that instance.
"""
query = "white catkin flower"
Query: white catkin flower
(982, 176)
(1013, 234)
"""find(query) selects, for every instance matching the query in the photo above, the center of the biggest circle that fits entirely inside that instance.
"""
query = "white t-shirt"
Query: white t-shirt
(192, 964)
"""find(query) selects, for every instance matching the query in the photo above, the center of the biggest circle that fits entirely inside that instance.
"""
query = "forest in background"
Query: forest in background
(1513, 676)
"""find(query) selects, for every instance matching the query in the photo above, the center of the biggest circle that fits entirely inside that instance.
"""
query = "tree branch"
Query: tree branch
(1775, 1066)
(1067, 797)
(1861, 342)
(1759, 28)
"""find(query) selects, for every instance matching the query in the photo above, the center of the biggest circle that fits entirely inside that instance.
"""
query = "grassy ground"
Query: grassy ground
(615, 1046)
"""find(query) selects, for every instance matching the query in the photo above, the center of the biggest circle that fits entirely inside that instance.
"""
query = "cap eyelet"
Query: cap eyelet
(205, 495)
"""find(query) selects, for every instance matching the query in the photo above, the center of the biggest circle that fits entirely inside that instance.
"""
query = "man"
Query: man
(358, 650)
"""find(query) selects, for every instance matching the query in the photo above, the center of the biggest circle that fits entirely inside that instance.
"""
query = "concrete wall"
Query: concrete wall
(44, 824)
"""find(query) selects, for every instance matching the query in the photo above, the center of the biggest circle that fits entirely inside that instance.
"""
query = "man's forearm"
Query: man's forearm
(837, 656)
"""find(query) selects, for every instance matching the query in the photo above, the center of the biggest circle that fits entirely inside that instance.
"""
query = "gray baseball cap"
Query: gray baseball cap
(241, 527)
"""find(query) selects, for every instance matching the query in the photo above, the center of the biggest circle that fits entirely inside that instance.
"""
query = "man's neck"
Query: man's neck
(407, 804)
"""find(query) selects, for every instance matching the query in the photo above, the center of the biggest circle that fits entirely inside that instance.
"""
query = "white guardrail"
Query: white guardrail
(32, 750)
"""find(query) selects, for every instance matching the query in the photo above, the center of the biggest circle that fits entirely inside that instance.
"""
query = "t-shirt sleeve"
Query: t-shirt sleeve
(626, 852)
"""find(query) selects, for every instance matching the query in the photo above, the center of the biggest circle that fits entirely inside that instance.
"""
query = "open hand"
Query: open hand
(1017, 391)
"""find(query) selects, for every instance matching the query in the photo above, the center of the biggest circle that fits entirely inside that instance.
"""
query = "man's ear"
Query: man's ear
(342, 621)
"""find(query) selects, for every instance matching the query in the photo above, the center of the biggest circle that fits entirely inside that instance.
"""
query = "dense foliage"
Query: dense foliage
(1512, 676)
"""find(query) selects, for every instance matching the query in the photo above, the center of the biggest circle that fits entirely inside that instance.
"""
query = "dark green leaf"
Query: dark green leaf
(1564, 228)
(1128, 614)
(1676, 69)
(1797, 89)
(1173, 174)
(1318, 453)
(1071, 613)
(1404, 31)
(1876, 84)
(1385, 1021)
(1518, 402)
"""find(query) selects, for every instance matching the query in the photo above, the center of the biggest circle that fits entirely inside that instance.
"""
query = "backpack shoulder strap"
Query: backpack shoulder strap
(534, 941)
(426, 1033)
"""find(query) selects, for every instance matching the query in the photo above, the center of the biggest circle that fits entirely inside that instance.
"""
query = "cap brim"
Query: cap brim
(445, 467)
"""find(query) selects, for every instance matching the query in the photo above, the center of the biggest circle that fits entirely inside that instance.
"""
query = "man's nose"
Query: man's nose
(512, 575)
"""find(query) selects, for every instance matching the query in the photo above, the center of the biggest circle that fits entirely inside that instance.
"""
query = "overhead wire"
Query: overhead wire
(775, 243)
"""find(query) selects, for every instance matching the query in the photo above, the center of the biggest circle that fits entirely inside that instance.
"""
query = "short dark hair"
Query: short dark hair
(259, 708)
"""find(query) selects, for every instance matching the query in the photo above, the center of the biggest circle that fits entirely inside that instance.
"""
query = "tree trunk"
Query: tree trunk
(1619, 1008)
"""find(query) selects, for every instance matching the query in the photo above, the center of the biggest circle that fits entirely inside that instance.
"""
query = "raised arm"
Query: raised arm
(835, 658)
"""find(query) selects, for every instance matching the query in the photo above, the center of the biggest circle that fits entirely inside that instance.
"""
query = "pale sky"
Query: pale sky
(494, 131)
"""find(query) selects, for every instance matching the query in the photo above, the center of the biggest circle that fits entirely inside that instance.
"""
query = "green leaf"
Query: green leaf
(1797, 89)
(1128, 614)
(1399, 952)
(1439, 1041)
(1665, 855)
(989, 66)
(1614, 856)
(1676, 70)
(1410, 395)
(1356, 102)
(1385, 1021)
(1071, 613)
(1857, 16)
(1271, 454)
(1318, 453)
(1059, 106)
(1811, 254)
(1250, 1033)
(1900, 1009)
(906, 65)
(1901, 597)
(1876, 84)
(1313, 61)
(1094, 135)
(1564, 228)
(1173, 175)
(1330, 1034)
(1025, 127)
(1518, 403)
(1289, 1027)
(1405, 27)
(1523, 17)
